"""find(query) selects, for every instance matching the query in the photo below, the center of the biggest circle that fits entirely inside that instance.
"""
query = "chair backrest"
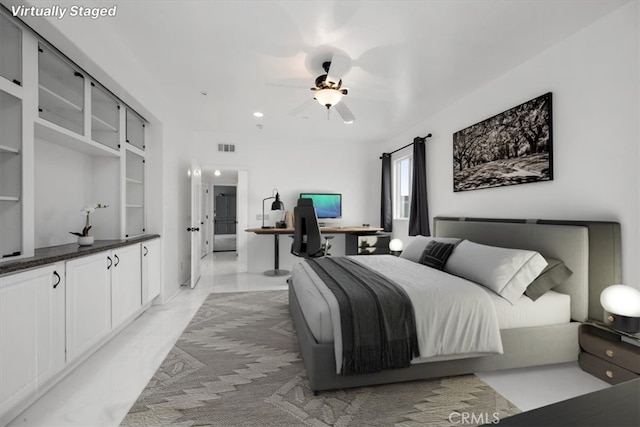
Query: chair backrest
(307, 241)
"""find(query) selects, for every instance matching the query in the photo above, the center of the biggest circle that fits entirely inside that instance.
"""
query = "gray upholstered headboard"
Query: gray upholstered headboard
(591, 249)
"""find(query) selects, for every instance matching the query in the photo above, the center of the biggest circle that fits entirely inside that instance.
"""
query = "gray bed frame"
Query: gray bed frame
(591, 249)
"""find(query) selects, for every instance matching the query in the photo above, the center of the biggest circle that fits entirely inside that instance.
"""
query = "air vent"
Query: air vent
(227, 148)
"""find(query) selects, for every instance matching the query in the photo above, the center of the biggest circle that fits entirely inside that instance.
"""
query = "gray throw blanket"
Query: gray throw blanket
(376, 316)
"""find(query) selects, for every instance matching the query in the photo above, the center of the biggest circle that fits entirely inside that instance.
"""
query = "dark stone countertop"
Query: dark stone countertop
(53, 254)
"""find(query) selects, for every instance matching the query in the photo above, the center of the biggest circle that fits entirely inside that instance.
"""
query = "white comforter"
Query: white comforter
(455, 318)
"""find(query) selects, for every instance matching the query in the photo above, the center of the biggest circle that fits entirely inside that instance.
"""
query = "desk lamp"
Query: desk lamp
(621, 305)
(277, 205)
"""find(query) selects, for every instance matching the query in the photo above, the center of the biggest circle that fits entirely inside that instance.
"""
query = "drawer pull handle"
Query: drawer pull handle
(609, 374)
(609, 353)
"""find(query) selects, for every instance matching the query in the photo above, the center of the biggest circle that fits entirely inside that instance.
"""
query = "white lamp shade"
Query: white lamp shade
(395, 245)
(621, 300)
(328, 97)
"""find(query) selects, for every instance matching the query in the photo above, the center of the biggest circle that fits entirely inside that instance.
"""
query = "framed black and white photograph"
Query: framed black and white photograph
(513, 147)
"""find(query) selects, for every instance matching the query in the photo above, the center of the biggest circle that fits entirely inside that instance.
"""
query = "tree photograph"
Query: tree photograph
(513, 147)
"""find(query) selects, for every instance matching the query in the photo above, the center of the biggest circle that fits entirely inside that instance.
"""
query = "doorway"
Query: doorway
(224, 218)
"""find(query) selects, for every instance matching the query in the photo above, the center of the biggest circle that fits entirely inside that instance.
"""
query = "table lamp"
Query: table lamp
(277, 205)
(621, 306)
(395, 246)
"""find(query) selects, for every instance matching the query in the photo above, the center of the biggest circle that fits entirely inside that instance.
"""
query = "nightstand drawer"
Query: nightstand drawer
(608, 347)
(613, 374)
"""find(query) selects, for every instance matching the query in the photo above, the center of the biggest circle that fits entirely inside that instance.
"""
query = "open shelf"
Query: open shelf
(10, 176)
(59, 135)
(10, 150)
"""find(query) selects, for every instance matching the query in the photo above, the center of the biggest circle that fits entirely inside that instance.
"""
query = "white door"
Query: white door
(151, 270)
(88, 298)
(31, 331)
(126, 283)
(194, 228)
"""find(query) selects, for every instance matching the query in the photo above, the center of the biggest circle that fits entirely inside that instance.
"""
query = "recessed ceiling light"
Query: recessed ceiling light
(217, 172)
(258, 114)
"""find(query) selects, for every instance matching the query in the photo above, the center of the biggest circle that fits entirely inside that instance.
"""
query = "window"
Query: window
(403, 171)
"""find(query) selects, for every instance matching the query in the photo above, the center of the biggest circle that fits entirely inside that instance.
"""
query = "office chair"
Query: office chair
(307, 240)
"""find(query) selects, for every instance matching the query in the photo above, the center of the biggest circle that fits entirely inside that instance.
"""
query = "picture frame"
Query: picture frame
(510, 148)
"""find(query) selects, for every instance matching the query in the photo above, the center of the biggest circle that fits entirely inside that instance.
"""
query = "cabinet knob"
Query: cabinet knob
(55, 285)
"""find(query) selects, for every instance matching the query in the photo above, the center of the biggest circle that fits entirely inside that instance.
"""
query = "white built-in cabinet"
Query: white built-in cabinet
(103, 291)
(53, 317)
(32, 331)
(62, 129)
(151, 270)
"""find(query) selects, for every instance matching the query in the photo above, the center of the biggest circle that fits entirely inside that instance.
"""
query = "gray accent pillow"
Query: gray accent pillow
(416, 246)
(505, 271)
(554, 274)
(436, 254)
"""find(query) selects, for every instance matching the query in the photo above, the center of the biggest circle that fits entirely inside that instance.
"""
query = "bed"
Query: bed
(531, 333)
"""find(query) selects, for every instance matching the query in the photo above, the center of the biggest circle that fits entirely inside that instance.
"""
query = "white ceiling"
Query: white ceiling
(409, 58)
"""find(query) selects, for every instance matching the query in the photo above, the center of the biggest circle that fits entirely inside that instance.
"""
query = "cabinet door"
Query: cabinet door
(151, 270)
(126, 283)
(88, 302)
(10, 51)
(31, 331)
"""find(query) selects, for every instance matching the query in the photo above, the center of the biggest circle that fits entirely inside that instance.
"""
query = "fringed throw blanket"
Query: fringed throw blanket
(376, 316)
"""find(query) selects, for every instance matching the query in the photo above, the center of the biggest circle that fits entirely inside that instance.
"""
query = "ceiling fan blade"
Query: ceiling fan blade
(340, 64)
(300, 108)
(345, 113)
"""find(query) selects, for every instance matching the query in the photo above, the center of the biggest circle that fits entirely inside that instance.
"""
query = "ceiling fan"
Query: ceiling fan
(328, 90)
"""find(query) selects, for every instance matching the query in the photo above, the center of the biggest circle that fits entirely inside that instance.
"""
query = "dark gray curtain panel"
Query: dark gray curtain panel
(386, 207)
(419, 210)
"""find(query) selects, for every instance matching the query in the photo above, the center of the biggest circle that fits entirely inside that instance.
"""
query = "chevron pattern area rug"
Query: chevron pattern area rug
(238, 364)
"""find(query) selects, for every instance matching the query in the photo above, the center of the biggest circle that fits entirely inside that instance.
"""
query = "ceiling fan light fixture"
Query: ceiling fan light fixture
(328, 97)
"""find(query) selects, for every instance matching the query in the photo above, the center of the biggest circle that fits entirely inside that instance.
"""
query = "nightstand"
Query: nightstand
(610, 355)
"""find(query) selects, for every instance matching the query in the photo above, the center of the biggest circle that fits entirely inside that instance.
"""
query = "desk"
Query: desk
(276, 232)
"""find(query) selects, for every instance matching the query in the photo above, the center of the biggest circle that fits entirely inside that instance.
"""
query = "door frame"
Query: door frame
(242, 212)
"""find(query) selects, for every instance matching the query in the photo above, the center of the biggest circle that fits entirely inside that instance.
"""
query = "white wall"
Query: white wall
(593, 76)
(293, 167)
(66, 181)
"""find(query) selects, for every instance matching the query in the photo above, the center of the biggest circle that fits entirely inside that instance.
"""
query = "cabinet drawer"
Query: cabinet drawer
(608, 346)
(613, 374)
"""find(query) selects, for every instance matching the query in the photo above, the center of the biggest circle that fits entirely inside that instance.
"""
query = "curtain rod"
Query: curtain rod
(410, 144)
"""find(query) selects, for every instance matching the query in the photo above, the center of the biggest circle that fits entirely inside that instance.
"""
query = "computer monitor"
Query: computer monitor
(327, 205)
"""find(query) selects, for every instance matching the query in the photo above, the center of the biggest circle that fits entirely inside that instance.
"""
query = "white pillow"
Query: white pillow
(505, 271)
(416, 246)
